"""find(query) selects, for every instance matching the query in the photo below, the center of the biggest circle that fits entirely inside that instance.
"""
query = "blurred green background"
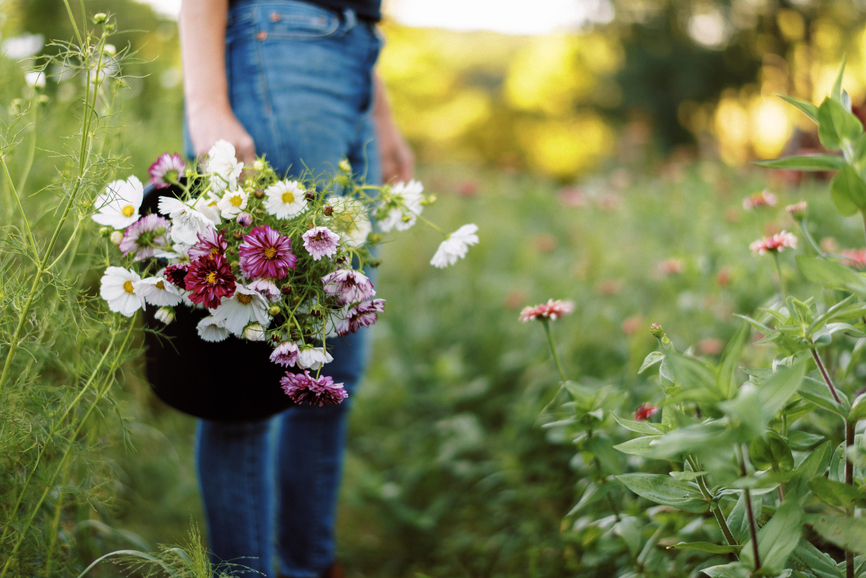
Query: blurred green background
(606, 165)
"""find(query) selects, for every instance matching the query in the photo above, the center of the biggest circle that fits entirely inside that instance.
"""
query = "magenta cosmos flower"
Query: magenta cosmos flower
(147, 237)
(209, 280)
(321, 242)
(266, 253)
(176, 274)
(285, 354)
(350, 286)
(167, 169)
(303, 388)
(362, 315)
(210, 244)
(776, 243)
(550, 310)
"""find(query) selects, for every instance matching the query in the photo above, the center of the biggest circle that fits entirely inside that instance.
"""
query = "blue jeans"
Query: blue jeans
(300, 81)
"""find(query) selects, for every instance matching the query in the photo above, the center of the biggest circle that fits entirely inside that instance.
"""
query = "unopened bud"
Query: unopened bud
(328, 210)
(428, 200)
(105, 231)
(100, 17)
(274, 310)
(259, 165)
(245, 219)
(310, 195)
(657, 330)
(109, 49)
(164, 314)
(374, 238)
(797, 211)
(375, 263)
(109, 27)
(254, 332)
(286, 289)
(237, 235)
(259, 194)
(345, 166)
(116, 237)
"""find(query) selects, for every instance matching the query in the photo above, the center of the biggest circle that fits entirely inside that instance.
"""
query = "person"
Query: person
(293, 81)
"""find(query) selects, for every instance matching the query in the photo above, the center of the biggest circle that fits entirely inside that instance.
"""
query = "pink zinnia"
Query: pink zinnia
(210, 244)
(176, 274)
(146, 236)
(210, 279)
(285, 354)
(266, 253)
(166, 170)
(305, 388)
(645, 411)
(362, 315)
(350, 286)
(321, 242)
(855, 257)
(777, 242)
(550, 310)
(762, 199)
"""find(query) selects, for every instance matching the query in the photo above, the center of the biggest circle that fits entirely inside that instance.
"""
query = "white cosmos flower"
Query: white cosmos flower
(351, 218)
(254, 332)
(285, 199)
(207, 206)
(24, 46)
(406, 200)
(158, 291)
(232, 203)
(118, 288)
(210, 329)
(242, 308)
(455, 246)
(222, 162)
(118, 206)
(35, 79)
(313, 358)
(186, 222)
(164, 314)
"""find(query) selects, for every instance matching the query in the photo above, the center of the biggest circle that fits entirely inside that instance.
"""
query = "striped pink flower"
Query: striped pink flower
(266, 253)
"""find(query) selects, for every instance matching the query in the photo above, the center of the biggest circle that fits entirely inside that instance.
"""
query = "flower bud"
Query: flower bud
(164, 314)
(310, 195)
(259, 194)
(259, 165)
(797, 211)
(109, 27)
(254, 332)
(328, 210)
(345, 166)
(109, 49)
(100, 17)
(35, 79)
(374, 238)
(274, 310)
(657, 330)
(116, 237)
(237, 235)
(105, 231)
(286, 289)
(245, 219)
(428, 200)
(375, 263)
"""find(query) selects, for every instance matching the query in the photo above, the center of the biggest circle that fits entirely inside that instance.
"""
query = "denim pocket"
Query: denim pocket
(287, 20)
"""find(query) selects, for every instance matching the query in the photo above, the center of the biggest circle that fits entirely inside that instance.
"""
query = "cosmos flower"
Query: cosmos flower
(210, 244)
(285, 354)
(254, 332)
(760, 199)
(159, 291)
(118, 288)
(313, 357)
(167, 169)
(118, 206)
(350, 286)
(267, 289)
(320, 242)
(401, 206)
(209, 280)
(186, 222)
(455, 246)
(285, 199)
(550, 310)
(175, 274)
(222, 162)
(232, 203)
(210, 329)
(362, 315)
(165, 315)
(304, 388)
(147, 237)
(243, 307)
(266, 253)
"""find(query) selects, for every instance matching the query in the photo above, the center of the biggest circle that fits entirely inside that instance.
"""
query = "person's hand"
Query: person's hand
(208, 124)
(398, 162)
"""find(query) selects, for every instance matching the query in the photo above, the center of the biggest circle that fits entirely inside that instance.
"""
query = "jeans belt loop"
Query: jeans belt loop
(350, 20)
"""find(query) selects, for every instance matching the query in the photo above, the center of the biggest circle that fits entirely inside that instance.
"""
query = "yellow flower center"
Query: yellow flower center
(128, 210)
(270, 252)
(211, 277)
(288, 197)
(127, 286)
(160, 285)
(236, 200)
(214, 251)
(245, 299)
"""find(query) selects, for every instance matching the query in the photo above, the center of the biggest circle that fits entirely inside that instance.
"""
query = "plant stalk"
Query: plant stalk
(824, 374)
(708, 496)
(546, 323)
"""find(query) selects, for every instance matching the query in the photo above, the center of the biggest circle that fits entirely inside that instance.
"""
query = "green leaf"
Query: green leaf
(777, 539)
(706, 547)
(650, 360)
(831, 274)
(837, 462)
(593, 493)
(690, 372)
(819, 563)
(732, 570)
(641, 427)
(847, 533)
(806, 108)
(726, 374)
(738, 521)
(837, 493)
(755, 323)
(818, 393)
(848, 189)
(803, 441)
(836, 125)
(629, 529)
(771, 450)
(814, 463)
(836, 93)
(666, 491)
(858, 409)
(805, 163)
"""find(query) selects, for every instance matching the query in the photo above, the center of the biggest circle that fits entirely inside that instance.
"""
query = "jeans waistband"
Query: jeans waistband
(349, 17)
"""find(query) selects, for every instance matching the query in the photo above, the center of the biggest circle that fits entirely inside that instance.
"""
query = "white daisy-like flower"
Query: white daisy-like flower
(455, 246)
(118, 288)
(244, 307)
(222, 162)
(285, 199)
(118, 206)
(313, 358)
(165, 315)
(186, 222)
(350, 220)
(35, 79)
(232, 203)
(207, 206)
(159, 291)
(404, 205)
(211, 329)
(254, 332)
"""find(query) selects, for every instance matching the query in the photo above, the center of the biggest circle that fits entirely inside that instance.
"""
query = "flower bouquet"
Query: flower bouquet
(218, 254)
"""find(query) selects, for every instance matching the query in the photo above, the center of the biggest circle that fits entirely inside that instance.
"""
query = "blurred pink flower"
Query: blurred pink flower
(761, 199)
(632, 325)
(776, 243)
(572, 197)
(855, 257)
(645, 411)
(672, 266)
(550, 310)
(711, 346)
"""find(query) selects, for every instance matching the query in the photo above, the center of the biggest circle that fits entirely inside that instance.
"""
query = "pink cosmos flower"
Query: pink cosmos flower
(550, 310)
(285, 354)
(147, 237)
(244, 219)
(210, 244)
(167, 169)
(321, 242)
(303, 388)
(176, 274)
(350, 286)
(266, 253)
(776, 243)
(210, 279)
(645, 411)
(362, 315)
(267, 288)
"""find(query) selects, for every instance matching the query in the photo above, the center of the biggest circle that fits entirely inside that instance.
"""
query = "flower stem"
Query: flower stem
(431, 225)
(750, 514)
(708, 496)
(546, 323)
(781, 280)
(824, 374)
(808, 237)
